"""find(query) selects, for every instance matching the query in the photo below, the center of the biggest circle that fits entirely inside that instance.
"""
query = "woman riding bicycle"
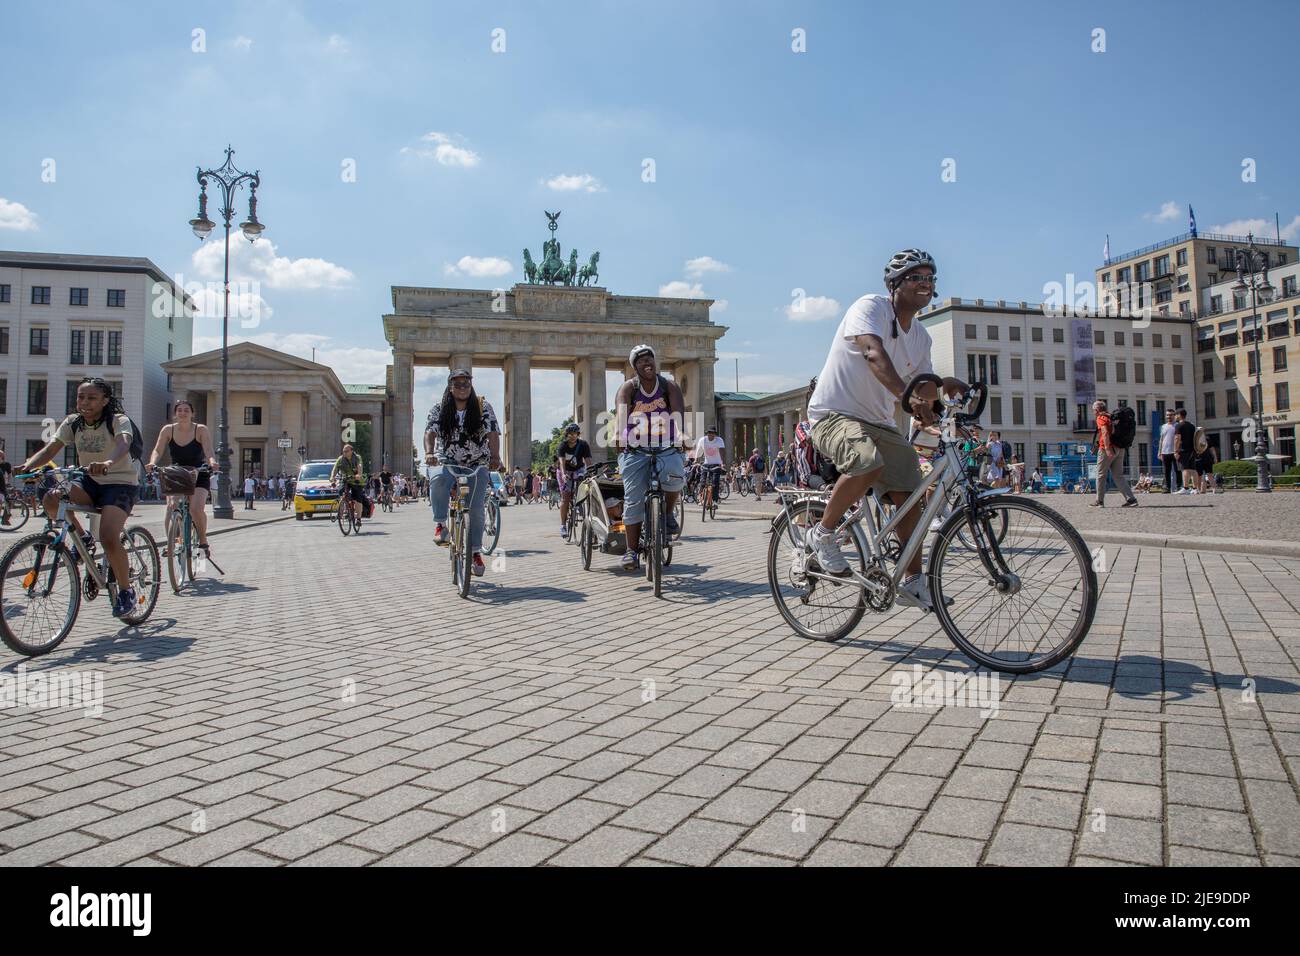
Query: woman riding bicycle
(572, 459)
(462, 435)
(190, 446)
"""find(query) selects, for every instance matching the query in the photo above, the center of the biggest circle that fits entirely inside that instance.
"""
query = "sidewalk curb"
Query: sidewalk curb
(1277, 549)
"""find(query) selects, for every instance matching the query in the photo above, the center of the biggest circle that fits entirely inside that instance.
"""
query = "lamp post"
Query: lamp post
(1254, 263)
(228, 178)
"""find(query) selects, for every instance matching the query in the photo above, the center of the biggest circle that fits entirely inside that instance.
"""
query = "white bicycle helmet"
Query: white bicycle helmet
(638, 350)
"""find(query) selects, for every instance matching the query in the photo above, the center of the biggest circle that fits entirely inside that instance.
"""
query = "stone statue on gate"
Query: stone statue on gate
(552, 268)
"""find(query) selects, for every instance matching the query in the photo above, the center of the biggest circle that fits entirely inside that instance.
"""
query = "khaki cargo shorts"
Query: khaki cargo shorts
(857, 447)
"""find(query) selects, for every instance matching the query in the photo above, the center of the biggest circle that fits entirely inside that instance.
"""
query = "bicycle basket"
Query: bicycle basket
(176, 480)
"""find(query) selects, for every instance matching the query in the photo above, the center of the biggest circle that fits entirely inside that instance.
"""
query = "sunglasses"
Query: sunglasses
(917, 280)
(461, 383)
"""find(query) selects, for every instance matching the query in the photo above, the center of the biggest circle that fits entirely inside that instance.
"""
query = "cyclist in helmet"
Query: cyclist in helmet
(651, 411)
(572, 459)
(879, 347)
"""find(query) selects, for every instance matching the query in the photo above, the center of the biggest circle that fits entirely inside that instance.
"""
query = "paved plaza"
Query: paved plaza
(332, 701)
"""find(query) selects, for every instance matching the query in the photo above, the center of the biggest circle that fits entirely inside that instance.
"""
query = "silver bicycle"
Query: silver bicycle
(1011, 581)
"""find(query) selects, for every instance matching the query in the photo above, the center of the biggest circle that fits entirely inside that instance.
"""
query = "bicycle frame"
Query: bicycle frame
(64, 526)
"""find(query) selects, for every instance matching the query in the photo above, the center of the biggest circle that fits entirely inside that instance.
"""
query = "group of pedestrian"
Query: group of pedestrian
(1185, 449)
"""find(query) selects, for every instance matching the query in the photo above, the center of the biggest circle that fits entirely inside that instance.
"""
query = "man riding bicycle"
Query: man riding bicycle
(708, 454)
(879, 347)
(651, 409)
(572, 460)
(462, 434)
(347, 468)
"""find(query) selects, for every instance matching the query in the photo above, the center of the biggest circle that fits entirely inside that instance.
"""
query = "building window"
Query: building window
(1159, 369)
(4, 340)
(1019, 451)
(117, 298)
(1232, 409)
(1059, 369)
(1216, 304)
(1040, 410)
(1017, 410)
(1209, 255)
(40, 342)
(1288, 288)
(252, 414)
(1137, 340)
(995, 410)
(36, 396)
(1162, 266)
(70, 396)
(1101, 371)
(1038, 370)
(1142, 455)
(1209, 405)
(1142, 412)
(169, 351)
(1175, 341)
(993, 333)
(1182, 257)
(1256, 399)
(1098, 337)
(1062, 414)
(114, 348)
(1230, 366)
(1124, 276)
(79, 297)
(1105, 278)
(993, 370)
(1279, 358)
(1178, 375)
(6, 293)
(1139, 373)
(1121, 371)
(1119, 338)
(77, 347)
(1157, 340)
(171, 323)
(4, 396)
(1207, 370)
(1036, 335)
(1014, 333)
(970, 331)
(1238, 300)
(40, 295)
(1251, 364)
(1058, 336)
(1042, 452)
(96, 347)
(1017, 368)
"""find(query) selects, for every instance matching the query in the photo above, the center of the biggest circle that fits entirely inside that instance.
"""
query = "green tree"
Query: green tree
(361, 445)
(544, 451)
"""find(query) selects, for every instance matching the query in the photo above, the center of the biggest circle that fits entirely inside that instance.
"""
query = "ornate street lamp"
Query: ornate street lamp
(228, 178)
(1254, 263)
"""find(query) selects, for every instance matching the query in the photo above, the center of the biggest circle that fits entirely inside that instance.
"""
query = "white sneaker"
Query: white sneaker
(936, 524)
(916, 593)
(828, 553)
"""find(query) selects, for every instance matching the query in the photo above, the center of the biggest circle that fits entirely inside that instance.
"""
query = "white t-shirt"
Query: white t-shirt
(249, 486)
(1167, 433)
(711, 449)
(847, 385)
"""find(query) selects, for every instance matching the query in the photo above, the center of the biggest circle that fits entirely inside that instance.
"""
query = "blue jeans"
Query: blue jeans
(635, 469)
(441, 482)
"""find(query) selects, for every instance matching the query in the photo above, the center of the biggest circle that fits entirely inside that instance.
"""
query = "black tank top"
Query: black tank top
(189, 455)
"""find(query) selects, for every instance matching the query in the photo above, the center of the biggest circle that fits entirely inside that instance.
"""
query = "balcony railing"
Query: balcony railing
(1212, 236)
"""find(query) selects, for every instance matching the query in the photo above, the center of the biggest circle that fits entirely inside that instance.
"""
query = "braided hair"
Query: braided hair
(447, 415)
(111, 408)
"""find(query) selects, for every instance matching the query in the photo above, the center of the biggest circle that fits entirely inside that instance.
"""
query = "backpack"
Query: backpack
(758, 464)
(1123, 427)
(1200, 442)
(811, 469)
(137, 440)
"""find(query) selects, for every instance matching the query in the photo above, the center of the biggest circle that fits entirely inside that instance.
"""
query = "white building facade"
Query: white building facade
(65, 317)
(1045, 370)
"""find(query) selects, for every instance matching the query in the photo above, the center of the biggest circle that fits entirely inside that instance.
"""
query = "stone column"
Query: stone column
(462, 360)
(687, 376)
(590, 400)
(731, 437)
(791, 419)
(315, 438)
(214, 416)
(403, 425)
(274, 463)
(704, 395)
(519, 438)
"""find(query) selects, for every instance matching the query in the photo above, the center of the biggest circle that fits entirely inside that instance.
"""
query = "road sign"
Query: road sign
(284, 442)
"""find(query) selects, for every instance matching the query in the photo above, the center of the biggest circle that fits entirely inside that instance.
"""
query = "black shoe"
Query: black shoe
(125, 602)
(674, 528)
(1131, 503)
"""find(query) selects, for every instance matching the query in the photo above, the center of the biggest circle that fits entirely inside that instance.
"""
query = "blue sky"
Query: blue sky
(774, 170)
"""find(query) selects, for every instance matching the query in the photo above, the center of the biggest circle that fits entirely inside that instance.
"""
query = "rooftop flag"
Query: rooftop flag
(1105, 250)
(1191, 220)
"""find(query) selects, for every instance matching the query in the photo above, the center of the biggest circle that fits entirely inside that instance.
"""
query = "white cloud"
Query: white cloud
(14, 215)
(257, 261)
(479, 268)
(1260, 228)
(352, 364)
(732, 356)
(565, 183)
(336, 44)
(815, 308)
(697, 267)
(678, 289)
(444, 151)
(719, 305)
(243, 43)
(1169, 211)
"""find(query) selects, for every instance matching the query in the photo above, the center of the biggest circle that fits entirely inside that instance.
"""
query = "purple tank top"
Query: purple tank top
(649, 422)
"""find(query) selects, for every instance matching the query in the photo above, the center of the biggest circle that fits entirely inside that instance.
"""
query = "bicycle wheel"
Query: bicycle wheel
(588, 545)
(724, 491)
(145, 572)
(491, 525)
(344, 517)
(1020, 605)
(743, 488)
(466, 555)
(659, 547)
(40, 592)
(174, 538)
(19, 512)
(814, 607)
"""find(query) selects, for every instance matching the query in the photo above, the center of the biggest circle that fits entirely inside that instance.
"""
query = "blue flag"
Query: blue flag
(1191, 220)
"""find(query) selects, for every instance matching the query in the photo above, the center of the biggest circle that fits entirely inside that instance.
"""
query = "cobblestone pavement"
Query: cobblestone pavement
(333, 702)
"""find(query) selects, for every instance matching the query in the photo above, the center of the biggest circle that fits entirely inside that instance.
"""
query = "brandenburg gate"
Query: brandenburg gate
(542, 325)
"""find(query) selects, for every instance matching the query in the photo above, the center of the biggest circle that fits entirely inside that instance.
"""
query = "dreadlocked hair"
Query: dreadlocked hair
(111, 408)
(447, 416)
